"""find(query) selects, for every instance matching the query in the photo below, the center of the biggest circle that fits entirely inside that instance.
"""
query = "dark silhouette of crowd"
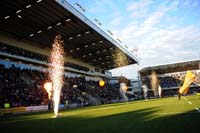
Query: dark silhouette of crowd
(24, 87)
(164, 82)
(12, 50)
(171, 83)
(4, 48)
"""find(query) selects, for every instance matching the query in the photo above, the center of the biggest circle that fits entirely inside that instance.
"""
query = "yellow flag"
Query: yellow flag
(189, 78)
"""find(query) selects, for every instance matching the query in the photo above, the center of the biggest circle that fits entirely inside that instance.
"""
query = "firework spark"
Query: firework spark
(122, 90)
(120, 58)
(56, 71)
(154, 83)
(145, 91)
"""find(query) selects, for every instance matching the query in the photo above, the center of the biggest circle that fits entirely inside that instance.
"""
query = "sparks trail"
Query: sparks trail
(56, 71)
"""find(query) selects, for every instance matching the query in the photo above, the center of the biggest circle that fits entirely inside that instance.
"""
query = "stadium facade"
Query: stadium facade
(27, 31)
(30, 26)
(171, 76)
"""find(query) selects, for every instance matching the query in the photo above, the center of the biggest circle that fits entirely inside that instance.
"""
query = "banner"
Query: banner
(23, 109)
(189, 78)
(13, 110)
(19, 110)
(6, 111)
(37, 108)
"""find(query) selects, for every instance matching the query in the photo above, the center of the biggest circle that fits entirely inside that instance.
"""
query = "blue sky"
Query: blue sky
(163, 31)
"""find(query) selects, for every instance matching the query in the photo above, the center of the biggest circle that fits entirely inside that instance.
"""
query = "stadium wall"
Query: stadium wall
(18, 110)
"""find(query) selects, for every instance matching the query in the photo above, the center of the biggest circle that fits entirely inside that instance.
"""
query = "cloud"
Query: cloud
(138, 31)
(174, 5)
(102, 7)
(159, 43)
(194, 4)
(117, 19)
(139, 5)
(138, 9)
(153, 19)
(170, 46)
(154, 28)
(186, 3)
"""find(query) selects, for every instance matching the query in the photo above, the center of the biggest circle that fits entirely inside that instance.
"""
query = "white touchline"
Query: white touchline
(191, 103)
(197, 109)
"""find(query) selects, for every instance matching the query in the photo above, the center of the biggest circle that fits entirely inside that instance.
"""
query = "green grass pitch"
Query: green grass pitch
(165, 115)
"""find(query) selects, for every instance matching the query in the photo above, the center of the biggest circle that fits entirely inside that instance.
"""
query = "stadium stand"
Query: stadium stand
(171, 77)
(27, 29)
(24, 87)
(5, 48)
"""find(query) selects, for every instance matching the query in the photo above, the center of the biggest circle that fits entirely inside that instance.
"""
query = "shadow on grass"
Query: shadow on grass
(148, 120)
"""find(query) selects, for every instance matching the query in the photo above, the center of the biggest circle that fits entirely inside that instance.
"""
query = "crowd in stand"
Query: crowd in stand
(4, 48)
(24, 87)
(171, 83)
(165, 82)
(20, 87)
(24, 53)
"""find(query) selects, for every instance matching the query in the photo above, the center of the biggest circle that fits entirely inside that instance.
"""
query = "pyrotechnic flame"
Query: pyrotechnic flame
(48, 88)
(145, 91)
(120, 58)
(154, 83)
(57, 71)
(122, 90)
(101, 83)
(159, 91)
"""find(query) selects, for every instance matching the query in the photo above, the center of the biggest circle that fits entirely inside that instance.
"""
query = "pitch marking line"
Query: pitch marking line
(197, 109)
(191, 103)
(169, 113)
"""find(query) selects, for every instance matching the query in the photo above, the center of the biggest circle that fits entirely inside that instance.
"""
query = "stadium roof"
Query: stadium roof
(39, 21)
(170, 68)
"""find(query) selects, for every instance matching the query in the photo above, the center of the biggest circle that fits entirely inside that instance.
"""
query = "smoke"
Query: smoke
(145, 90)
(122, 90)
(154, 83)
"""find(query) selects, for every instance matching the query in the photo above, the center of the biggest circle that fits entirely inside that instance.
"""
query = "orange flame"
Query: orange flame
(48, 88)
(101, 83)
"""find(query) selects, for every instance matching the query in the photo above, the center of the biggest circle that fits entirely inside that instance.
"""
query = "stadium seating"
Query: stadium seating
(171, 83)
(21, 52)
(24, 87)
